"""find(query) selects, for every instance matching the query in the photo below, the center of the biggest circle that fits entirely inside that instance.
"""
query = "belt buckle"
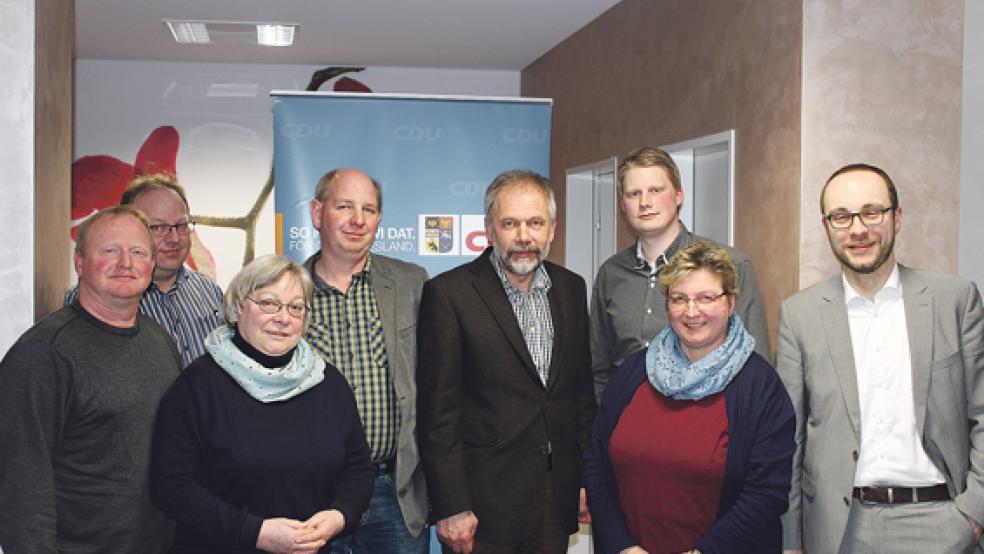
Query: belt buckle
(864, 499)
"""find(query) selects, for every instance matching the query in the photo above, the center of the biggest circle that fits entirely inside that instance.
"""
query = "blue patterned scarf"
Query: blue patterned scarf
(305, 370)
(673, 374)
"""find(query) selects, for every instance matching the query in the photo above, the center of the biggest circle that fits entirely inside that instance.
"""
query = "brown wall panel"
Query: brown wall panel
(55, 44)
(663, 71)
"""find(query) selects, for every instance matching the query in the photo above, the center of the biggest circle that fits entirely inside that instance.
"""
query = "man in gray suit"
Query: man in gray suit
(363, 321)
(883, 364)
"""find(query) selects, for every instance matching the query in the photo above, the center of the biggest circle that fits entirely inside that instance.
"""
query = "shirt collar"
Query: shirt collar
(642, 264)
(892, 285)
(180, 277)
(541, 279)
(320, 283)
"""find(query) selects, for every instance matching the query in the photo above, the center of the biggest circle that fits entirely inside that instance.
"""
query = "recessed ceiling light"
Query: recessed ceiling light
(188, 32)
(275, 34)
(231, 32)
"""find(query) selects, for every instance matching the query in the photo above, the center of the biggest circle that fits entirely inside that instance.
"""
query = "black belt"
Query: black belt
(386, 466)
(901, 495)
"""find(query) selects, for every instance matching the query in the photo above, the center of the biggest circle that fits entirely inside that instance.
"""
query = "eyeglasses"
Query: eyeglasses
(868, 216)
(164, 229)
(680, 302)
(271, 306)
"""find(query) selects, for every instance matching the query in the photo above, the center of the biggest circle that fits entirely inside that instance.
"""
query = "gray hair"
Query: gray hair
(263, 272)
(519, 177)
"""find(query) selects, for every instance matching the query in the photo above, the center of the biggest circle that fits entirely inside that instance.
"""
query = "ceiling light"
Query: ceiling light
(231, 32)
(188, 32)
(275, 34)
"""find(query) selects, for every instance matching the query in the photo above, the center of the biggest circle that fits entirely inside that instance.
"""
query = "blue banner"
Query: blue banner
(433, 156)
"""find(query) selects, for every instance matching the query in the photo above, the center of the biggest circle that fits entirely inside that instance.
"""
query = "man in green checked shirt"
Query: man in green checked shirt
(363, 321)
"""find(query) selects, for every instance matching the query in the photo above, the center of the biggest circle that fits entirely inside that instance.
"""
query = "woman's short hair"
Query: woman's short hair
(697, 256)
(263, 272)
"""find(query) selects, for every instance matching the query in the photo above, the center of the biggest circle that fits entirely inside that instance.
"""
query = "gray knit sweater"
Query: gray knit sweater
(77, 405)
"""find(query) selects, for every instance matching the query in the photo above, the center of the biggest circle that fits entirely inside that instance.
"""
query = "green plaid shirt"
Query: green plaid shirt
(347, 332)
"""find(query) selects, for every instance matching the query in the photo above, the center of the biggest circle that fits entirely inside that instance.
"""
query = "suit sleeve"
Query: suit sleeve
(789, 364)
(602, 336)
(971, 500)
(765, 491)
(34, 400)
(438, 412)
(752, 310)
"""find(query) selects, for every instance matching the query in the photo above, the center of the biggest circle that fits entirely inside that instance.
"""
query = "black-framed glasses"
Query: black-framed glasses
(272, 306)
(681, 302)
(164, 229)
(868, 216)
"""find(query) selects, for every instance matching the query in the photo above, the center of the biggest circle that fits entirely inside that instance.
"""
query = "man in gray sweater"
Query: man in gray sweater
(78, 394)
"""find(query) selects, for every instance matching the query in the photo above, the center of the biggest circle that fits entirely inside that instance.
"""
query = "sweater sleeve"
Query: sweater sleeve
(768, 422)
(176, 460)
(354, 487)
(607, 517)
(35, 393)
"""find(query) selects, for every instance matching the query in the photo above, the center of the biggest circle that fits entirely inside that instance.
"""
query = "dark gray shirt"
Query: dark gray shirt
(77, 404)
(628, 308)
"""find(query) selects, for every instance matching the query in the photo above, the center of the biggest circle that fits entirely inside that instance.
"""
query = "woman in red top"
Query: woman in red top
(693, 443)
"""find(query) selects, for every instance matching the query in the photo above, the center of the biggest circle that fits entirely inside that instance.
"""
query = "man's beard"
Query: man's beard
(883, 254)
(522, 267)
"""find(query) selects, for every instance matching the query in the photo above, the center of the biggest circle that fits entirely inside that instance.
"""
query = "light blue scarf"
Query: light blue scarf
(673, 374)
(305, 370)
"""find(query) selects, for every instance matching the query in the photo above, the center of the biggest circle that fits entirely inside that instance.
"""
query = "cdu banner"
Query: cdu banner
(433, 155)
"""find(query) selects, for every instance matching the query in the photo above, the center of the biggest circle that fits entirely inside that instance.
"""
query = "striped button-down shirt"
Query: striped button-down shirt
(532, 311)
(189, 311)
(346, 330)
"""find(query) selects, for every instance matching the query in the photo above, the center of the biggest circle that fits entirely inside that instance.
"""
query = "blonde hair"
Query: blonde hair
(697, 256)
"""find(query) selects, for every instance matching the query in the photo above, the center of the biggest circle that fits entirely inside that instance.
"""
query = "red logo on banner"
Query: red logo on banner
(476, 241)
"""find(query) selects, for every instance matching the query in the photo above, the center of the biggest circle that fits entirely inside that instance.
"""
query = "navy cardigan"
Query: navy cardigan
(757, 470)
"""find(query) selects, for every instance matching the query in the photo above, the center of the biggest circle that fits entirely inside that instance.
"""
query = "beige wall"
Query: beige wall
(663, 71)
(882, 84)
(55, 28)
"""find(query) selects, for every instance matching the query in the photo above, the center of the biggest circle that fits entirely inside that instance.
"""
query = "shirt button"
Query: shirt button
(652, 285)
(649, 310)
(646, 344)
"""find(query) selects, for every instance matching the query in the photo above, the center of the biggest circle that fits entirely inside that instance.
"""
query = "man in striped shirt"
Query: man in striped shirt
(363, 322)
(185, 302)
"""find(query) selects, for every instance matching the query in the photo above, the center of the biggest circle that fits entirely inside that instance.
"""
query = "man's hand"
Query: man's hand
(458, 531)
(583, 512)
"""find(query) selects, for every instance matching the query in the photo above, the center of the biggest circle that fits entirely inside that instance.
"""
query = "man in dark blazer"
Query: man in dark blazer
(504, 382)
(884, 366)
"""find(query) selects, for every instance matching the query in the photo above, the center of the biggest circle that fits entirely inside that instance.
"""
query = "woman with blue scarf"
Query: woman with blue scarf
(693, 443)
(258, 446)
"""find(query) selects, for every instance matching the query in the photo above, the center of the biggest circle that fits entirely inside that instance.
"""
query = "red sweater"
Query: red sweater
(668, 459)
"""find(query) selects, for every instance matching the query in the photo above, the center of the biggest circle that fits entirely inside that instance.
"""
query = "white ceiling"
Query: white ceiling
(472, 34)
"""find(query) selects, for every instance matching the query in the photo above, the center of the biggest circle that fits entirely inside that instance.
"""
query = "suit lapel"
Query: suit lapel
(384, 288)
(918, 323)
(490, 291)
(833, 313)
(558, 313)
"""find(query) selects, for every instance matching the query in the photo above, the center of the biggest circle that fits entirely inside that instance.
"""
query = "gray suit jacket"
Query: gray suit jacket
(397, 287)
(815, 360)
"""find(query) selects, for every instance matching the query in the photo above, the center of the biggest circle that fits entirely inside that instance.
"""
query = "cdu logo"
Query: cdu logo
(524, 136)
(305, 130)
(416, 134)
(465, 188)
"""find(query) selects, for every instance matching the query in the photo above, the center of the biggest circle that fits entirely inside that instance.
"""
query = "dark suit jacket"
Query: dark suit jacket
(486, 421)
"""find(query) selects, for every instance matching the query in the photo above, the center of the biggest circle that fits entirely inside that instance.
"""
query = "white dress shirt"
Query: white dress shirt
(891, 449)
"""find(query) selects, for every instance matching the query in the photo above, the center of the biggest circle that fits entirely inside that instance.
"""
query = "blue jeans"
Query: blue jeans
(382, 529)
